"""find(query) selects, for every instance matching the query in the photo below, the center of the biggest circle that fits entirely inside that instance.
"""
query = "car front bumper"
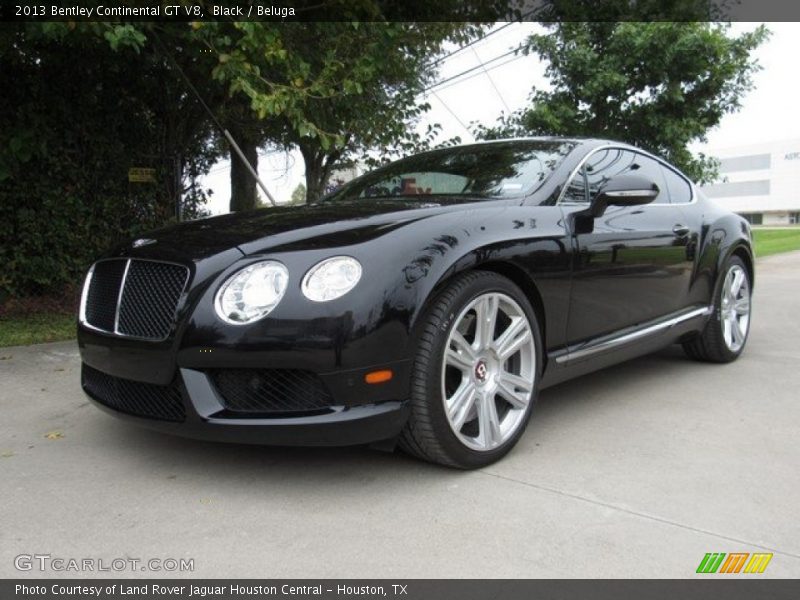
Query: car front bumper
(296, 377)
(198, 411)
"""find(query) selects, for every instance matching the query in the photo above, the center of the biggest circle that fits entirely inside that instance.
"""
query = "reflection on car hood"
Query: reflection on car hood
(319, 225)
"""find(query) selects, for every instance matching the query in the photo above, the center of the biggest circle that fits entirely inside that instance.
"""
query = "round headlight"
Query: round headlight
(252, 293)
(331, 278)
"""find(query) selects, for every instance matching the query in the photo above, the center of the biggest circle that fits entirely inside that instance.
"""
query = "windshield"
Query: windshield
(484, 171)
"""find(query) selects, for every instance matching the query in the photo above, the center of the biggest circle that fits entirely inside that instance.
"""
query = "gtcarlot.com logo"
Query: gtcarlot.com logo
(48, 562)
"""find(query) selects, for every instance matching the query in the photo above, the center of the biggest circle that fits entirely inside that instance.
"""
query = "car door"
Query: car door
(634, 266)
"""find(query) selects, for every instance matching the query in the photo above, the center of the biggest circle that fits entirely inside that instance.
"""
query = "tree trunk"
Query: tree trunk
(244, 195)
(318, 170)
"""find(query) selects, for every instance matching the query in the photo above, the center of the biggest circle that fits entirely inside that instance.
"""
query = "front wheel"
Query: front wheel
(725, 334)
(476, 373)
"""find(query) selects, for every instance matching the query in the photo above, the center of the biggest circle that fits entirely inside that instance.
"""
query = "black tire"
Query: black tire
(709, 345)
(427, 434)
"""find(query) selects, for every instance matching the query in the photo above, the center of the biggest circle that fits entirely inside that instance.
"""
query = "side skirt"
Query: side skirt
(622, 345)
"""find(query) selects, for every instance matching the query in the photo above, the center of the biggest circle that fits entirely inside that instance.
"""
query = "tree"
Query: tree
(299, 195)
(248, 133)
(334, 90)
(188, 59)
(657, 85)
(79, 108)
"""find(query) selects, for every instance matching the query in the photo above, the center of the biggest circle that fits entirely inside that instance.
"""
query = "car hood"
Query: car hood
(316, 226)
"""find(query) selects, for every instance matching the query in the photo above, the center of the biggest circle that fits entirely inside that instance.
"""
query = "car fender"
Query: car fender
(726, 234)
(529, 245)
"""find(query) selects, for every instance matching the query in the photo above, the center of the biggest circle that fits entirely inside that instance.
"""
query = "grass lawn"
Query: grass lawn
(36, 328)
(772, 241)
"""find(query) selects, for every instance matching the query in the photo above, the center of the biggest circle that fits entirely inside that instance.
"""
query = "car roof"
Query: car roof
(588, 141)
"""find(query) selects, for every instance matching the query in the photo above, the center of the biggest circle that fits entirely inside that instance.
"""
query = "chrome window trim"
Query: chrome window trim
(629, 193)
(590, 348)
(660, 161)
(82, 307)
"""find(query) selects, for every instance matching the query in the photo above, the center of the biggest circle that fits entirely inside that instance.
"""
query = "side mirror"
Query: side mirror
(625, 190)
(622, 190)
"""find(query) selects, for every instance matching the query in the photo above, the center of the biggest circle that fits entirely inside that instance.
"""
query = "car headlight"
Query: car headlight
(331, 278)
(251, 293)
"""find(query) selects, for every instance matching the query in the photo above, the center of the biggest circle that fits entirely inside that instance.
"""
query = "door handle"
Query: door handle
(680, 230)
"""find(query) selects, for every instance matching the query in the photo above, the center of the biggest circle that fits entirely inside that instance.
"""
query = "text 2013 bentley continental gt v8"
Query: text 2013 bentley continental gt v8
(425, 303)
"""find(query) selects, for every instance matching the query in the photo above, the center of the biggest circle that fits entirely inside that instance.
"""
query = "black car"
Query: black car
(425, 303)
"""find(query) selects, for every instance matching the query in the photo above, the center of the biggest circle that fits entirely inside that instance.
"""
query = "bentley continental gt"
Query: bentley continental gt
(424, 304)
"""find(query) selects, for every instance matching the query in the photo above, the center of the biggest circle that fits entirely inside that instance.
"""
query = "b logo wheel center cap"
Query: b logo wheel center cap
(481, 371)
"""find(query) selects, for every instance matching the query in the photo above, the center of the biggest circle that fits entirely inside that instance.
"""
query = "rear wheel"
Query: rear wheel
(475, 373)
(725, 334)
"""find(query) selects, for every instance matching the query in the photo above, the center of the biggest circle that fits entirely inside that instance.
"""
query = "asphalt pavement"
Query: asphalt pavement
(635, 471)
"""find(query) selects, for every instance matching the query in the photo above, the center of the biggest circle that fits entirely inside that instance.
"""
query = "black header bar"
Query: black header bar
(398, 10)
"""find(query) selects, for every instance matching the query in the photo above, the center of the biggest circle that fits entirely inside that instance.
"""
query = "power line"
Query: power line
(480, 39)
(455, 116)
(473, 76)
(470, 70)
(440, 60)
(486, 71)
(489, 77)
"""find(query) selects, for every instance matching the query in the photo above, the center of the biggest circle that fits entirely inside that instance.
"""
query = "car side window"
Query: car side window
(575, 191)
(680, 190)
(651, 169)
(605, 164)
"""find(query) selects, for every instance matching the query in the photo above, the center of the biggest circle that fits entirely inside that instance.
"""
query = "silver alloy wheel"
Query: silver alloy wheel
(488, 371)
(735, 308)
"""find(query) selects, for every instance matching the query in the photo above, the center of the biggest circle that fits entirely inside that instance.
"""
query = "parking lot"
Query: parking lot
(636, 471)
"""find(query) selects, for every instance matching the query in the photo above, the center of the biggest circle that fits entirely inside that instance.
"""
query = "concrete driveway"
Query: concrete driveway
(636, 471)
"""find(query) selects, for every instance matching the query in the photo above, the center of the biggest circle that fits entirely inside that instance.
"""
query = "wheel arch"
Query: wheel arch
(743, 252)
(524, 282)
(507, 269)
(727, 235)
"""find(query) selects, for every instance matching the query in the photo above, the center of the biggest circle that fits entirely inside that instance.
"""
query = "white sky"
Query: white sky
(768, 113)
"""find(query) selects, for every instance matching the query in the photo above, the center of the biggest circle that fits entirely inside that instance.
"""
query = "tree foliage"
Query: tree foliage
(84, 102)
(658, 85)
(75, 115)
(334, 90)
(298, 195)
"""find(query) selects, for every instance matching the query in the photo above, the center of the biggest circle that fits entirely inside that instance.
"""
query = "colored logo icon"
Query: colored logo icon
(735, 562)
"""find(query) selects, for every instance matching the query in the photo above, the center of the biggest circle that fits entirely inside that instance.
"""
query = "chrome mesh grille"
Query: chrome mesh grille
(103, 293)
(134, 298)
(149, 299)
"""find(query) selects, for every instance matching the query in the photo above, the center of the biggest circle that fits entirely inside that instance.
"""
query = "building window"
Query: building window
(754, 218)
(738, 188)
(794, 218)
(745, 163)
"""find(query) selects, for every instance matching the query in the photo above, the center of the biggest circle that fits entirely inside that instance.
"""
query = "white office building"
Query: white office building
(760, 181)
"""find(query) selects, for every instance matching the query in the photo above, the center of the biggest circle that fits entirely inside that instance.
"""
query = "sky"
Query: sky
(769, 112)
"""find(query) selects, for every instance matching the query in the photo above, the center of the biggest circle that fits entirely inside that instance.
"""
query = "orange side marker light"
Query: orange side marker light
(381, 376)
